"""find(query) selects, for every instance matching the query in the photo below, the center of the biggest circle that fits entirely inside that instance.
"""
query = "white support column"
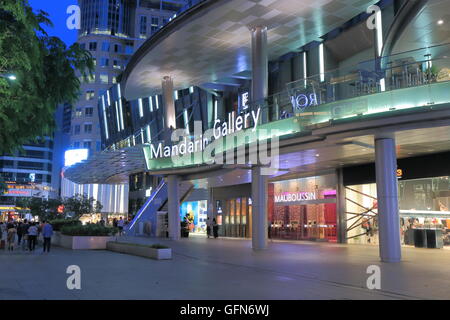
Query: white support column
(387, 194)
(260, 82)
(169, 103)
(259, 209)
(173, 192)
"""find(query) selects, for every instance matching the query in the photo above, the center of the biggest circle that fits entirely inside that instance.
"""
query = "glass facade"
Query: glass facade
(424, 212)
(193, 215)
(303, 209)
(234, 217)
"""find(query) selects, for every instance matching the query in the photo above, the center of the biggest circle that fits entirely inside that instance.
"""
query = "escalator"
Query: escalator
(146, 220)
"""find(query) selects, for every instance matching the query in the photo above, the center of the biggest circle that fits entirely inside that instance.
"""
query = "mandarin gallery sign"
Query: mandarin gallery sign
(200, 141)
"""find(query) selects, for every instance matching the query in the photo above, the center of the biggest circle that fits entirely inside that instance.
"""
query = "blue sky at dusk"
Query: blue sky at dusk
(57, 14)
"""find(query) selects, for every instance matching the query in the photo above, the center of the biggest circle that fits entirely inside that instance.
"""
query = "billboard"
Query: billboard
(74, 156)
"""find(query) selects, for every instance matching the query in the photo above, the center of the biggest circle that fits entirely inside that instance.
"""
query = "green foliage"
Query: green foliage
(58, 224)
(158, 246)
(45, 70)
(45, 209)
(82, 204)
(88, 230)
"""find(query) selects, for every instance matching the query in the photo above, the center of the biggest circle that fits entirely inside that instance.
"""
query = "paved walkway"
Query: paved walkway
(227, 269)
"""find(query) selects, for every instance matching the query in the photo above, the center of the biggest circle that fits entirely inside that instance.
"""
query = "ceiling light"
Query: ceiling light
(440, 22)
(317, 154)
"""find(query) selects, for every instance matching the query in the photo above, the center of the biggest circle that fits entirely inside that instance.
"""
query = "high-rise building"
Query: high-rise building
(28, 173)
(112, 30)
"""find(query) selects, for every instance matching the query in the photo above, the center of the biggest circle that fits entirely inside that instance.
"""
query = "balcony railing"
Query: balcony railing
(368, 87)
(407, 80)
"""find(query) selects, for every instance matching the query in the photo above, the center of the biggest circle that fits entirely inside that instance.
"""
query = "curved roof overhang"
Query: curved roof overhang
(211, 42)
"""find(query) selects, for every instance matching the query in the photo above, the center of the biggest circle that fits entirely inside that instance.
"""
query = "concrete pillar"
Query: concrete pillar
(259, 209)
(260, 82)
(173, 192)
(169, 103)
(341, 208)
(387, 194)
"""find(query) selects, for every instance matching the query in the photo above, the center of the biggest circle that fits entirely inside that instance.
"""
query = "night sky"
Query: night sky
(57, 14)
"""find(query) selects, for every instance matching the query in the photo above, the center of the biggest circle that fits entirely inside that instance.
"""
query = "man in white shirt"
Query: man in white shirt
(120, 225)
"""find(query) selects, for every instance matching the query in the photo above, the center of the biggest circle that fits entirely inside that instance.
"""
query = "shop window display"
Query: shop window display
(194, 215)
(424, 213)
(303, 209)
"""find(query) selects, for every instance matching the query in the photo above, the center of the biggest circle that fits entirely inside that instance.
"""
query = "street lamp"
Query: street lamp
(11, 77)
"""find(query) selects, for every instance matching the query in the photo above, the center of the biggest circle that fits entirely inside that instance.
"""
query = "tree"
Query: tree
(43, 208)
(45, 71)
(82, 204)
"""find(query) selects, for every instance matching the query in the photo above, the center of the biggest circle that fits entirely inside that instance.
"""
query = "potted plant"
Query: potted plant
(155, 251)
(91, 236)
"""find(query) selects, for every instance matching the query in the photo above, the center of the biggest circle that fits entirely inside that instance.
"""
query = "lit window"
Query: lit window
(116, 64)
(90, 95)
(104, 78)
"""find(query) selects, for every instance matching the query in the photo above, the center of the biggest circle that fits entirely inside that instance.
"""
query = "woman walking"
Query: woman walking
(11, 237)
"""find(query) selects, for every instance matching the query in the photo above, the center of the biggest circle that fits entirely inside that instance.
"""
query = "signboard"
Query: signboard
(74, 156)
(287, 197)
(221, 129)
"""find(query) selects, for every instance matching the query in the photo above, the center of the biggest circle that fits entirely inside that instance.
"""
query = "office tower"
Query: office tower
(111, 31)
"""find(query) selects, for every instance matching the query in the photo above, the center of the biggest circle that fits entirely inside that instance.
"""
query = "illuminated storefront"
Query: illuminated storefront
(298, 209)
(424, 202)
(424, 208)
(193, 214)
(303, 209)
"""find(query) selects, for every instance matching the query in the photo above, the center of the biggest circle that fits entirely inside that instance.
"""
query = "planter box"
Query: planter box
(80, 243)
(141, 251)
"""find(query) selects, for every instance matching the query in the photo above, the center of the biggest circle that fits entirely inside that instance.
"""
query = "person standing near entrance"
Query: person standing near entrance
(120, 225)
(32, 236)
(11, 236)
(47, 233)
(24, 231)
(208, 227)
(215, 229)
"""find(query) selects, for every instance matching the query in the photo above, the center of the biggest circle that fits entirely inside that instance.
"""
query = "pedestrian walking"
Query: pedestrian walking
(11, 236)
(215, 229)
(2, 236)
(269, 231)
(47, 233)
(120, 225)
(19, 233)
(32, 236)
(24, 231)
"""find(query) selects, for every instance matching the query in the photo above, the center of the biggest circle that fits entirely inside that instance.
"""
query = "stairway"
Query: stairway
(157, 202)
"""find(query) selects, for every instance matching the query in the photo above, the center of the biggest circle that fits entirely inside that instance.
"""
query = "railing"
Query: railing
(362, 89)
(137, 137)
(348, 91)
